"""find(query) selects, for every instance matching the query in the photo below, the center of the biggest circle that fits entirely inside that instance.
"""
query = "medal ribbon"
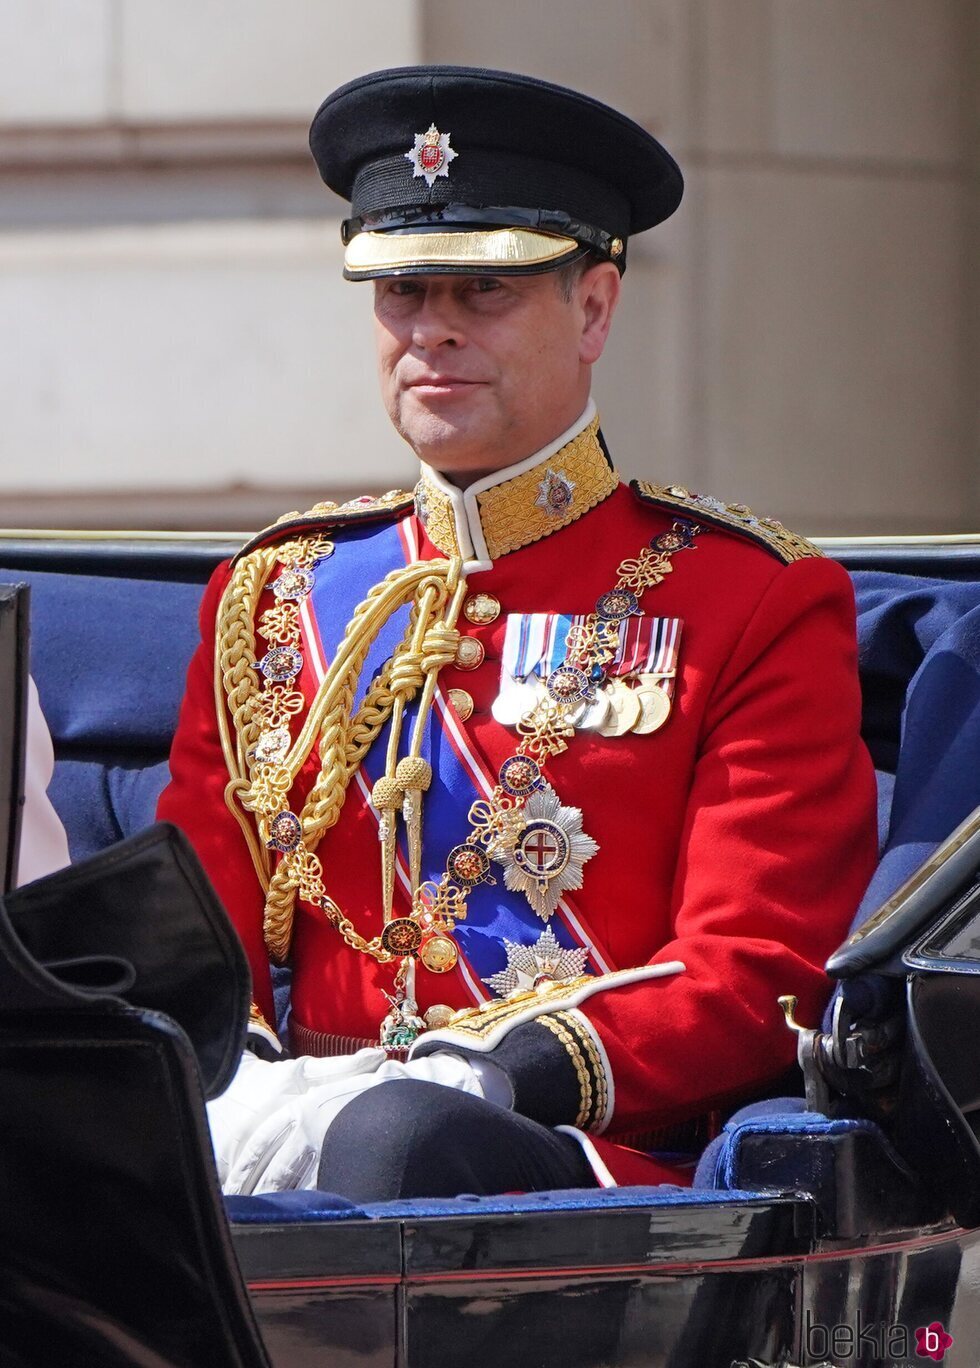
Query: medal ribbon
(535, 643)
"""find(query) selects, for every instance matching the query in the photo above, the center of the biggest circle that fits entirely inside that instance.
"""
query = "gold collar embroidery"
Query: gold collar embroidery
(546, 495)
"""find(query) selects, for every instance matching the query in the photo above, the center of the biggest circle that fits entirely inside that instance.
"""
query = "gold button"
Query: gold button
(438, 1015)
(462, 702)
(469, 653)
(481, 608)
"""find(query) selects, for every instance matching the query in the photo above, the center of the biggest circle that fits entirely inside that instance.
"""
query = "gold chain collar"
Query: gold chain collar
(524, 509)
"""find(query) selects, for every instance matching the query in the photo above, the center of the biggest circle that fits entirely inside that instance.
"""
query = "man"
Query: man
(605, 738)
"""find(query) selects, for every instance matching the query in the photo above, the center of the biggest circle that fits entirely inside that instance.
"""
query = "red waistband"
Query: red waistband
(303, 1041)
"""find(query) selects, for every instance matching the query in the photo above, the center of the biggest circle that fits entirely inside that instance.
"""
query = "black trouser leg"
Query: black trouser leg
(408, 1138)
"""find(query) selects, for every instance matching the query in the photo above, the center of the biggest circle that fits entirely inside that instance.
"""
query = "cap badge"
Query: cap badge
(431, 154)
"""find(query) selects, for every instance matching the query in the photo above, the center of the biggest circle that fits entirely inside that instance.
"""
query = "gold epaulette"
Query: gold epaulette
(768, 533)
(327, 515)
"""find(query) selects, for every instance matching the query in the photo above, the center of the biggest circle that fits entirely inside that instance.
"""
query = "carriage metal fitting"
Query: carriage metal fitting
(809, 1046)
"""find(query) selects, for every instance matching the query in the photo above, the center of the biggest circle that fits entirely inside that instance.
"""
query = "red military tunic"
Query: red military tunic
(736, 840)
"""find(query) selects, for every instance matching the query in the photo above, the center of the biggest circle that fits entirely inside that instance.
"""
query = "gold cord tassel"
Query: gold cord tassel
(413, 775)
(387, 798)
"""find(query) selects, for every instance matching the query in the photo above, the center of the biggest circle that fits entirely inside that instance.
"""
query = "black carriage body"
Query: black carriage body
(816, 1244)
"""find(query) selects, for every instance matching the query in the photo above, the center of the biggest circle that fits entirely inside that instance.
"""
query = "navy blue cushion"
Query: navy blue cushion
(719, 1166)
(104, 800)
(920, 673)
(110, 658)
(289, 1208)
(277, 1208)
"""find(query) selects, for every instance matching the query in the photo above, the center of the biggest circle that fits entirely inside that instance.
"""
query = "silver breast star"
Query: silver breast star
(547, 855)
(527, 963)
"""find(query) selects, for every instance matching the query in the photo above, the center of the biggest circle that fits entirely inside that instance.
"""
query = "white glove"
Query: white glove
(268, 1127)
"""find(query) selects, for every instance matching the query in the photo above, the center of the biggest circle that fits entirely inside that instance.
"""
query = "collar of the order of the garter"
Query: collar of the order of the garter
(521, 503)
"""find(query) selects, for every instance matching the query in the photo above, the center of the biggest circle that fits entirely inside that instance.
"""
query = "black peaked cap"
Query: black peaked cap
(563, 159)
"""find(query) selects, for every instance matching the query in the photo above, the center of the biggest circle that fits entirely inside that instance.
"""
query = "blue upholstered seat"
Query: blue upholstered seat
(110, 657)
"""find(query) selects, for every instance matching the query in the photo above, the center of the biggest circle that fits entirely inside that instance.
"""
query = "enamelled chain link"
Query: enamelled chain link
(523, 825)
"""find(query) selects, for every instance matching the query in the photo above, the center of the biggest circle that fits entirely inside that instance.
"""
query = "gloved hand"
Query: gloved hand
(267, 1128)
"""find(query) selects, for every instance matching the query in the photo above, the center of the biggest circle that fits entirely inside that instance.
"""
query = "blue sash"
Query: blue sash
(362, 559)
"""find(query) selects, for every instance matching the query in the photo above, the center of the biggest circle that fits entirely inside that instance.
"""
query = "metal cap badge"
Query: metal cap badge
(431, 154)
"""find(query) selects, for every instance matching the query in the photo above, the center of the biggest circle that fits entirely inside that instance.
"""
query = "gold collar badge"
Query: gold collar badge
(556, 493)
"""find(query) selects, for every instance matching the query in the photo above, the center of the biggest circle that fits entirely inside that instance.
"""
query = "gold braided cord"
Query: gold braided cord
(263, 788)
(325, 802)
(235, 684)
(433, 645)
(438, 648)
(408, 676)
(361, 733)
(394, 591)
(235, 646)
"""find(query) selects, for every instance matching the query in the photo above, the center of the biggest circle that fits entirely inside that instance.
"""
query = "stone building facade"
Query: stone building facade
(178, 348)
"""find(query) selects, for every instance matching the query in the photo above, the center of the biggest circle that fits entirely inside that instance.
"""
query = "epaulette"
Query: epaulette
(327, 515)
(768, 533)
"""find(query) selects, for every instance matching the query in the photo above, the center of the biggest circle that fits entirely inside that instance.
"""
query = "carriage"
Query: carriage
(839, 1223)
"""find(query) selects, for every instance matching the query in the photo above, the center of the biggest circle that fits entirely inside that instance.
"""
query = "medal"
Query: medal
(282, 664)
(624, 710)
(617, 605)
(401, 936)
(520, 776)
(654, 705)
(469, 864)
(514, 700)
(272, 746)
(285, 833)
(295, 582)
(596, 713)
(569, 684)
